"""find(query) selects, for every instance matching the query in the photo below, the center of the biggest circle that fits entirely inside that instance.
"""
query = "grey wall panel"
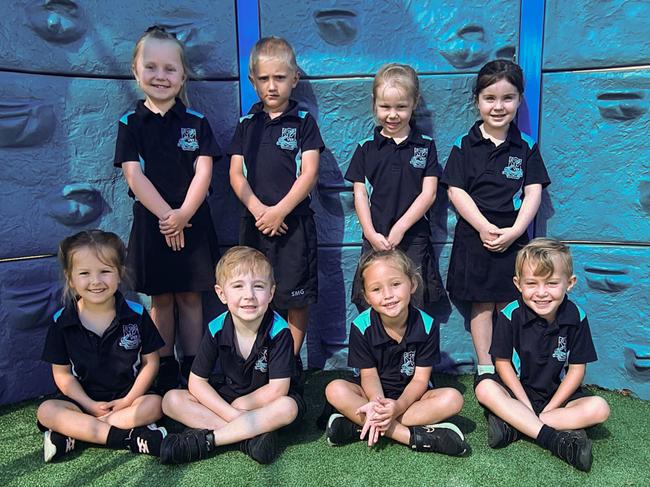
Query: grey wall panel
(97, 38)
(594, 34)
(594, 139)
(59, 178)
(337, 37)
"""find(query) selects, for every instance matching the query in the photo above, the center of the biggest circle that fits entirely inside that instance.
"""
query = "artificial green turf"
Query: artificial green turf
(621, 455)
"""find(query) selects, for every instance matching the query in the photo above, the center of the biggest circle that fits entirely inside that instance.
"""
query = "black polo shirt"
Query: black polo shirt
(540, 351)
(105, 366)
(393, 175)
(495, 176)
(167, 147)
(270, 358)
(272, 151)
(371, 347)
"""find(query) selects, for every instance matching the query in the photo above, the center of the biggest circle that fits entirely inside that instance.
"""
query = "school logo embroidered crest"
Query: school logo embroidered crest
(419, 159)
(287, 140)
(513, 170)
(262, 363)
(188, 140)
(130, 337)
(560, 352)
(408, 363)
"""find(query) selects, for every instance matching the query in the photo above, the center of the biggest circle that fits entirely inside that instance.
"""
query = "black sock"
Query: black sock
(116, 437)
(186, 366)
(545, 436)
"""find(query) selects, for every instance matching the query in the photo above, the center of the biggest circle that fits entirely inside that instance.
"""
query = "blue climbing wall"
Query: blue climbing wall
(65, 80)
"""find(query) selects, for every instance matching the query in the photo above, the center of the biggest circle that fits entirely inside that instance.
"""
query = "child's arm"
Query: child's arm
(510, 379)
(271, 221)
(466, 208)
(529, 206)
(391, 409)
(244, 192)
(264, 395)
(201, 389)
(176, 220)
(362, 207)
(416, 211)
(70, 386)
(142, 383)
(568, 386)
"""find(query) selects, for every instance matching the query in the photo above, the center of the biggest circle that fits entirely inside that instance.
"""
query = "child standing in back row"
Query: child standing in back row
(395, 176)
(494, 175)
(275, 154)
(166, 151)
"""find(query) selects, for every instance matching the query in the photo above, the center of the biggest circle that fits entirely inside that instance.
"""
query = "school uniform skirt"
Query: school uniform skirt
(419, 249)
(478, 275)
(155, 268)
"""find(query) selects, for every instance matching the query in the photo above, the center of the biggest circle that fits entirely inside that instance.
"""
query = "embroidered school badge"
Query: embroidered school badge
(287, 140)
(130, 337)
(408, 363)
(560, 352)
(513, 170)
(262, 363)
(188, 140)
(419, 159)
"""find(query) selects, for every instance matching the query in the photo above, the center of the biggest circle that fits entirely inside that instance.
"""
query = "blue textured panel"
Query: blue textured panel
(66, 181)
(614, 291)
(589, 34)
(352, 37)
(594, 139)
(98, 37)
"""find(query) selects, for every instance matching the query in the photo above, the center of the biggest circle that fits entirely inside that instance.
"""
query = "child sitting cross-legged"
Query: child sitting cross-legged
(253, 348)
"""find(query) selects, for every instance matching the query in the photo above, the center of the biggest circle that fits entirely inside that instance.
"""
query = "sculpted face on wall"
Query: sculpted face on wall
(57, 21)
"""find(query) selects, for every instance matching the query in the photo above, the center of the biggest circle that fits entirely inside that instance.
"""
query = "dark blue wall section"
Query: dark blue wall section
(65, 80)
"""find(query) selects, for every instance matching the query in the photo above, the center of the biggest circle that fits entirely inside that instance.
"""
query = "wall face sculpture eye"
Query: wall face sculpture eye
(637, 361)
(608, 277)
(25, 123)
(337, 27)
(465, 47)
(621, 104)
(60, 21)
(77, 204)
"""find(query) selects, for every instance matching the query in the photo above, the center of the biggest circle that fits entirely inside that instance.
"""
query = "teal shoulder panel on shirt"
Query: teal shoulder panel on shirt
(581, 312)
(528, 139)
(362, 322)
(137, 307)
(510, 308)
(369, 139)
(426, 137)
(125, 118)
(216, 325)
(278, 325)
(427, 320)
(57, 315)
(459, 141)
(195, 113)
(302, 114)
(246, 117)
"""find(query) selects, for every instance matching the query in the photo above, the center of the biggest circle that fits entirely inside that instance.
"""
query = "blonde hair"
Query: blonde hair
(239, 260)
(540, 254)
(107, 246)
(159, 33)
(401, 76)
(395, 257)
(274, 48)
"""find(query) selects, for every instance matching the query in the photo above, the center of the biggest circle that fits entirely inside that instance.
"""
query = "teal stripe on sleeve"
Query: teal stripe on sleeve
(137, 307)
(216, 325)
(427, 320)
(278, 325)
(510, 308)
(362, 322)
(196, 114)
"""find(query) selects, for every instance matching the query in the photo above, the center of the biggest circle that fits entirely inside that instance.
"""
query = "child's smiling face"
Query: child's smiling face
(159, 72)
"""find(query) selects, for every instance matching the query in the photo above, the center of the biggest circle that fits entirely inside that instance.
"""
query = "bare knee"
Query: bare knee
(335, 390)
(151, 407)
(287, 409)
(46, 412)
(454, 401)
(175, 400)
(485, 391)
(598, 410)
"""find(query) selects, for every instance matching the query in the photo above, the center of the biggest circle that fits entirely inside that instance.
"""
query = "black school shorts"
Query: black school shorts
(293, 257)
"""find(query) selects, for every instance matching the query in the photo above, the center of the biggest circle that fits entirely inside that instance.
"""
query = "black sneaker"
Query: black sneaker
(500, 433)
(341, 431)
(191, 445)
(261, 448)
(55, 445)
(440, 438)
(146, 439)
(574, 448)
